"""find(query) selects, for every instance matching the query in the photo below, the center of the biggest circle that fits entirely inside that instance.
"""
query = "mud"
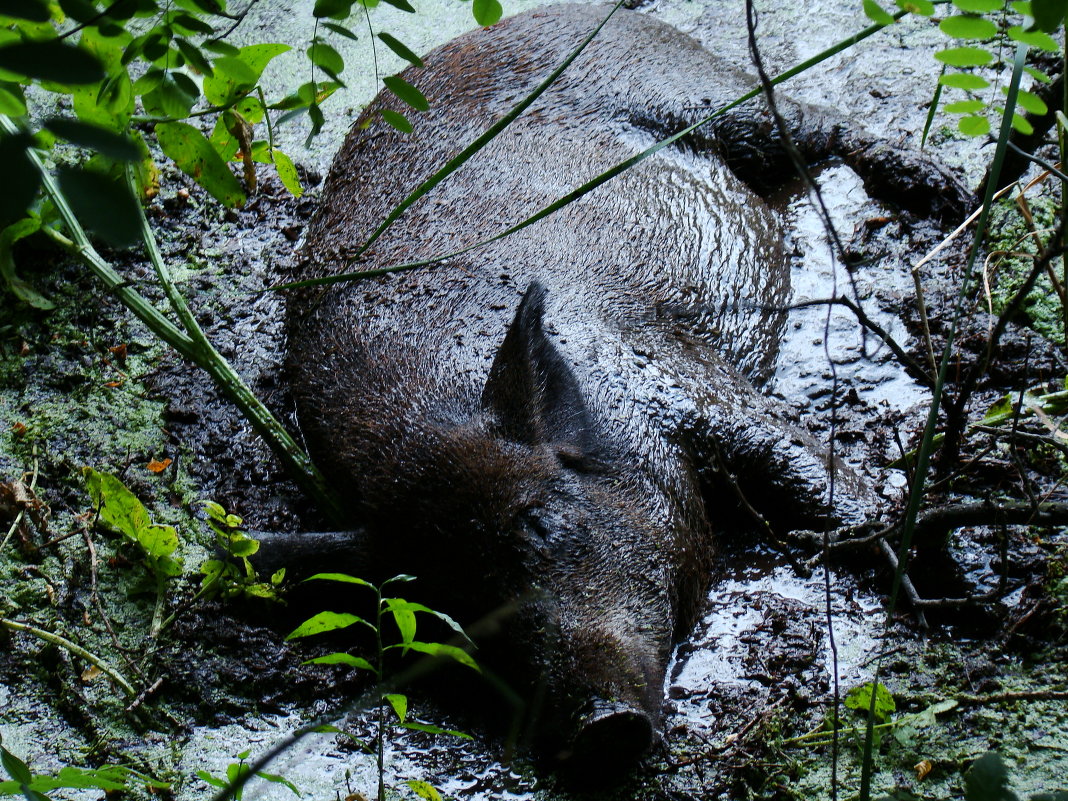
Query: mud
(757, 669)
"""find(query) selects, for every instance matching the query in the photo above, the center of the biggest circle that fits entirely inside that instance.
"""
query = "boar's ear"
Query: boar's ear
(531, 389)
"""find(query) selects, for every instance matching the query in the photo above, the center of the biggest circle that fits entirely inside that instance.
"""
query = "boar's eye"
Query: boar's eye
(533, 524)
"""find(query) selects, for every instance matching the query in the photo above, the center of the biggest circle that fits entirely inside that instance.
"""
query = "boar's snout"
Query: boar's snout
(610, 736)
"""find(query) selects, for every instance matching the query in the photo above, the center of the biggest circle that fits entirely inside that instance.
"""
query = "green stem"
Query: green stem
(209, 359)
(77, 650)
(381, 700)
(192, 344)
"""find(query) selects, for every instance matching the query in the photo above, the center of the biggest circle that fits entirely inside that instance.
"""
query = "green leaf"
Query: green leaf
(399, 703)
(21, 177)
(12, 101)
(174, 97)
(158, 540)
(1022, 125)
(403, 5)
(404, 617)
(22, 290)
(406, 92)
(1038, 39)
(979, 6)
(315, 114)
(32, 10)
(974, 126)
(51, 60)
(276, 779)
(924, 8)
(442, 650)
(877, 14)
(987, 780)
(452, 624)
(327, 59)
(221, 46)
(340, 658)
(15, 767)
(965, 56)
(232, 79)
(214, 7)
(326, 621)
(337, 9)
(1001, 411)
(194, 57)
(964, 107)
(242, 546)
(287, 172)
(118, 510)
(486, 12)
(423, 790)
(1029, 101)
(78, 10)
(103, 204)
(237, 75)
(402, 578)
(400, 49)
(212, 780)
(95, 138)
(1048, 14)
(342, 577)
(195, 156)
(341, 30)
(235, 771)
(859, 698)
(434, 729)
(964, 80)
(1038, 75)
(397, 120)
(968, 27)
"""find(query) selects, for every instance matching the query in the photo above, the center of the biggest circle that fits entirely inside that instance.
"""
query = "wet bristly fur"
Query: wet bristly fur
(545, 423)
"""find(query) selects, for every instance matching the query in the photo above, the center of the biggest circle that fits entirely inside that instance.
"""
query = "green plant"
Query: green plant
(238, 775)
(234, 576)
(403, 614)
(984, 27)
(109, 778)
(119, 511)
(905, 728)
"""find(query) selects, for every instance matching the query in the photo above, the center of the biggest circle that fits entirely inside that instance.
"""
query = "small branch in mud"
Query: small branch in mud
(75, 649)
(935, 523)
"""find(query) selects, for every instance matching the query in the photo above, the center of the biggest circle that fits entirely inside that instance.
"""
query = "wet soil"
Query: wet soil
(762, 662)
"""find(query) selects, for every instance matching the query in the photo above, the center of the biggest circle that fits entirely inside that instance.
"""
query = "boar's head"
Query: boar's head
(523, 504)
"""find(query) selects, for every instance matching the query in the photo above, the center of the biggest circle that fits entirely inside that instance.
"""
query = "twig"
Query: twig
(77, 650)
(915, 368)
(906, 582)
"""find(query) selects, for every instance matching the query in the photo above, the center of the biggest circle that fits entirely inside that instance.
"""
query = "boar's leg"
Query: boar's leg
(303, 554)
(730, 433)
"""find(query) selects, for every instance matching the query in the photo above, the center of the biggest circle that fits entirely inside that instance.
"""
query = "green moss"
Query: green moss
(1009, 235)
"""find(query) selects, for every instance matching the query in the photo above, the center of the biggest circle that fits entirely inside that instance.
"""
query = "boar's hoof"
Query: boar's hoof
(609, 738)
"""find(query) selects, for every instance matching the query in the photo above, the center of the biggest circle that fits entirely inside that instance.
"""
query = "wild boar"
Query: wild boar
(546, 421)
